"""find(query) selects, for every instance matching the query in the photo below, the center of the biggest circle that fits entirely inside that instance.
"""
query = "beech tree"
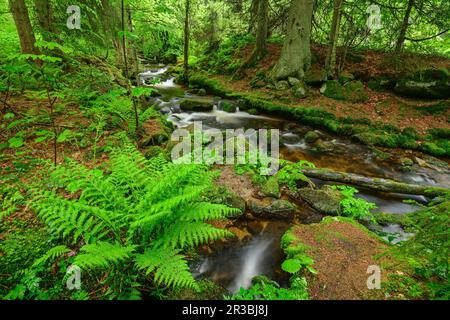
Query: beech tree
(22, 20)
(295, 57)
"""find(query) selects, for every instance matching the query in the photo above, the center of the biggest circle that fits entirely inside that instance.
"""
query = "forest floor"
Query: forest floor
(342, 252)
(384, 107)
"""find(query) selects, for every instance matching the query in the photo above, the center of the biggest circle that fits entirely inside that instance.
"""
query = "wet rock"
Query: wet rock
(282, 85)
(311, 136)
(241, 234)
(256, 227)
(165, 110)
(279, 209)
(227, 106)
(332, 89)
(324, 146)
(191, 104)
(201, 92)
(294, 81)
(325, 200)
(406, 161)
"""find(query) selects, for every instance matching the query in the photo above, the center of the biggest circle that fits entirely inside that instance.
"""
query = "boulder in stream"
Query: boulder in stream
(201, 105)
(325, 200)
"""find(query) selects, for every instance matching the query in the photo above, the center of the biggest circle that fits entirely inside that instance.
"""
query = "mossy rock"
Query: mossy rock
(299, 91)
(315, 77)
(333, 89)
(271, 188)
(282, 85)
(431, 84)
(431, 90)
(325, 200)
(201, 92)
(311, 136)
(253, 111)
(227, 106)
(191, 104)
(354, 91)
(294, 81)
(346, 77)
(279, 209)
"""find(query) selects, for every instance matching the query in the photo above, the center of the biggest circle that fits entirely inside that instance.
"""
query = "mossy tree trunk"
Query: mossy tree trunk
(330, 62)
(261, 32)
(377, 184)
(295, 57)
(22, 20)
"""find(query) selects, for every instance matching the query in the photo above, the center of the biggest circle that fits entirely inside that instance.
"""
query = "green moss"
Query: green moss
(433, 149)
(311, 136)
(333, 89)
(362, 129)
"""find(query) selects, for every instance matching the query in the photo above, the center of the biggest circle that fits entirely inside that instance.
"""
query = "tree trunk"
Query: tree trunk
(23, 24)
(330, 62)
(124, 41)
(261, 32)
(377, 184)
(404, 28)
(295, 57)
(186, 41)
(44, 14)
(213, 41)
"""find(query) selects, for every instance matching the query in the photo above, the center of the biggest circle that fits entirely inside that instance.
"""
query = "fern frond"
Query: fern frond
(188, 234)
(205, 211)
(51, 255)
(102, 255)
(71, 218)
(168, 267)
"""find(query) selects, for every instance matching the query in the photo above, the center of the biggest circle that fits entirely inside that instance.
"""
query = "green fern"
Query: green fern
(142, 213)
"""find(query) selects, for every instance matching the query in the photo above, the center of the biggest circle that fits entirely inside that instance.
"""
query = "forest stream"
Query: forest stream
(235, 263)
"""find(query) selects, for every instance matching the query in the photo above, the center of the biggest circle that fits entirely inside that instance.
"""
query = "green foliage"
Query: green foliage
(264, 289)
(291, 173)
(142, 214)
(428, 250)
(355, 207)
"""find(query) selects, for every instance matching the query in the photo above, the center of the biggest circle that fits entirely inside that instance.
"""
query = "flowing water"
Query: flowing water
(236, 264)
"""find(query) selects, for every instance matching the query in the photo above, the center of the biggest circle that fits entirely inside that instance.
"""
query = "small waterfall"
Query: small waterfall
(253, 258)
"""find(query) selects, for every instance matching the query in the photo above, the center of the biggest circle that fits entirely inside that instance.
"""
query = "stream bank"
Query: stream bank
(257, 250)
